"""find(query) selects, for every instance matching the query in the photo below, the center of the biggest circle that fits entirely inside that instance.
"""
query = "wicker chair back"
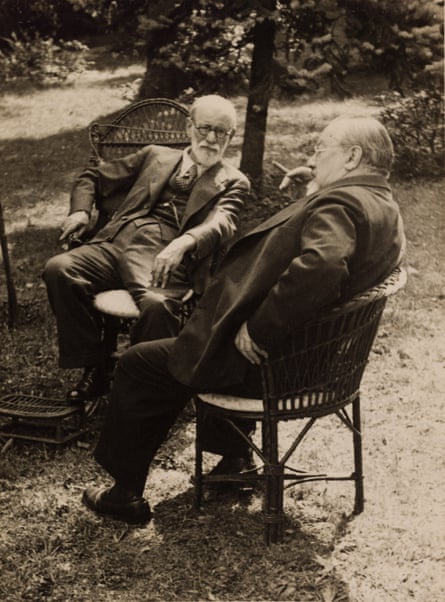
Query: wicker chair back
(152, 121)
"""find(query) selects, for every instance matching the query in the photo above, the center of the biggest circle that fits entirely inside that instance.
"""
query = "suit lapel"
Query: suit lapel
(210, 184)
(153, 177)
(159, 173)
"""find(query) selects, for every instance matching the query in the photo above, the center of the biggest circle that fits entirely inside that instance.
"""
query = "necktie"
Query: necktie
(186, 181)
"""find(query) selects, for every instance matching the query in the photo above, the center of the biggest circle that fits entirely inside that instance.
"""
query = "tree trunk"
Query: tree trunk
(159, 80)
(260, 91)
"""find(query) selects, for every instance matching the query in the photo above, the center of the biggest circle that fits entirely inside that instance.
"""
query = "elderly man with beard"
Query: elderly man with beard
(178, 209)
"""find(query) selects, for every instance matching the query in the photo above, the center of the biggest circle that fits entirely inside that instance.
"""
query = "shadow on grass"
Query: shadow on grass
(39, 170)
(218, 554)
(227, 538)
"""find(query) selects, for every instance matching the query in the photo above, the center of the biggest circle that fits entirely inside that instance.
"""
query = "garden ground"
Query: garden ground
(51, 548)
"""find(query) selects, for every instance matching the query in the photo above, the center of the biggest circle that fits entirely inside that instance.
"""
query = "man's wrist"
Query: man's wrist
(191, 246)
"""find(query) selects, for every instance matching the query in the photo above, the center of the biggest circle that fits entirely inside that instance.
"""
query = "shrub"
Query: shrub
(416, 126)
(40, 59)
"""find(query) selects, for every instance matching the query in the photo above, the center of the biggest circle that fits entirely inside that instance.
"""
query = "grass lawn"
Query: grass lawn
(52, 549)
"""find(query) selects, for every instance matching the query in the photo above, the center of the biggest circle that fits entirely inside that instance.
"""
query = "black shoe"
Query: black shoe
(134, 509)
(231, 465)
(93, 383)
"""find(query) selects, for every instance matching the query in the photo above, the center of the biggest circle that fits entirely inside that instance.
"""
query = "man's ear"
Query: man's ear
(355, 157)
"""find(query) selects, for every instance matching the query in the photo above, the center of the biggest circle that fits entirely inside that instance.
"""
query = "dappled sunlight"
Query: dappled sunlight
(292, 127)
(42, 113)
(317, 113)
(39, 214)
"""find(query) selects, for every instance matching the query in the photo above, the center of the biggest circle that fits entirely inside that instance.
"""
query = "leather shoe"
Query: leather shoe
(132, 509)
(232, 465)
(92, 384)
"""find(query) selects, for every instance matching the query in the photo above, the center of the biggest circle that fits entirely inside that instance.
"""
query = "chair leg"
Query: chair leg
(274, 484)
(111, 328)
(198, 459)
(358, 460)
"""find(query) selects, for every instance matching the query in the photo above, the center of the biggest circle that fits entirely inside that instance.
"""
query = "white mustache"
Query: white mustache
(208, 146)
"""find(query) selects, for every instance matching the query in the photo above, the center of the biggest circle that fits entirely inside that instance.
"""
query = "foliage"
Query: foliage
(209, 44)
(66, 19)
(416, 125)
(330, 38)
(315, 41)
(39, 59)
(397, 38)
(210, 49)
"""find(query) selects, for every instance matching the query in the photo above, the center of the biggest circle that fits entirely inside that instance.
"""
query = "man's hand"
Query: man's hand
(247, 346)
(301, 174)
(169, 259)
(76, 223)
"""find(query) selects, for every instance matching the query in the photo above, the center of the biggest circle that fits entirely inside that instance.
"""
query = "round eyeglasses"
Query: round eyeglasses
(220, 133)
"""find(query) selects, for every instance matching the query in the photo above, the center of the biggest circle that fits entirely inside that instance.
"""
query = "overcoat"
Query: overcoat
(317, 251)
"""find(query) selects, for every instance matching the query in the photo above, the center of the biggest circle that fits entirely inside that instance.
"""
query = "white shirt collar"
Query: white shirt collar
(187, 162)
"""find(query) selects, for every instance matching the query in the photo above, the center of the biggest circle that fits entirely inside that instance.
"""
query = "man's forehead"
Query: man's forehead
(212, 114)
(331, 132)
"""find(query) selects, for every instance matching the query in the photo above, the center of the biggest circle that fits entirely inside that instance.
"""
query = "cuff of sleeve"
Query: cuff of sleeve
(81, 211)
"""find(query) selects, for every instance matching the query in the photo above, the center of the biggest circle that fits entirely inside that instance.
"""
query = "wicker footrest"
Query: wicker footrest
(41, 419)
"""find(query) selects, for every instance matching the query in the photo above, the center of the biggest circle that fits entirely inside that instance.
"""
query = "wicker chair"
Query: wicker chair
(317, 374)
(153, 121)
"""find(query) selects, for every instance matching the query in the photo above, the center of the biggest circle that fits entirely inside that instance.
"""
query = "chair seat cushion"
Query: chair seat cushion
(232, 403)
(117, 302)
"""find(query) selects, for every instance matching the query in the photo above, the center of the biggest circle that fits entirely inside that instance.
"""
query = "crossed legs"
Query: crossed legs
(145, 401)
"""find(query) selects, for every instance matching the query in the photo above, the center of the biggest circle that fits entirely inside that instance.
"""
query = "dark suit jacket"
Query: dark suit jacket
(319, 250)
(137, 181)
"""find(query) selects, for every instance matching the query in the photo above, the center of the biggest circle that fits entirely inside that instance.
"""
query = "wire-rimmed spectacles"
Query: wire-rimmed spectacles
(220, 133)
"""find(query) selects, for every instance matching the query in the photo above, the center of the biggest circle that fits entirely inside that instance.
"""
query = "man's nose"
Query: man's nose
(211, 135)
(311, 161)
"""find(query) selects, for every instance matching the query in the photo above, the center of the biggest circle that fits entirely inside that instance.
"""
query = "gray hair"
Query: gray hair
(218, 103)
(373, 139)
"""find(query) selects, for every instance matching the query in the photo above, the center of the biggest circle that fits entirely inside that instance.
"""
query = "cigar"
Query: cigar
(280, 166)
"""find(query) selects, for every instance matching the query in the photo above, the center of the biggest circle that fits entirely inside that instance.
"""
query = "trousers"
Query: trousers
(144, 403)
(73, 279)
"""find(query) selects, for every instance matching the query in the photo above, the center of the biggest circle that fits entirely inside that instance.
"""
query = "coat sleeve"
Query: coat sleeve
(312, 280)
(105, 179)
(220, 224)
